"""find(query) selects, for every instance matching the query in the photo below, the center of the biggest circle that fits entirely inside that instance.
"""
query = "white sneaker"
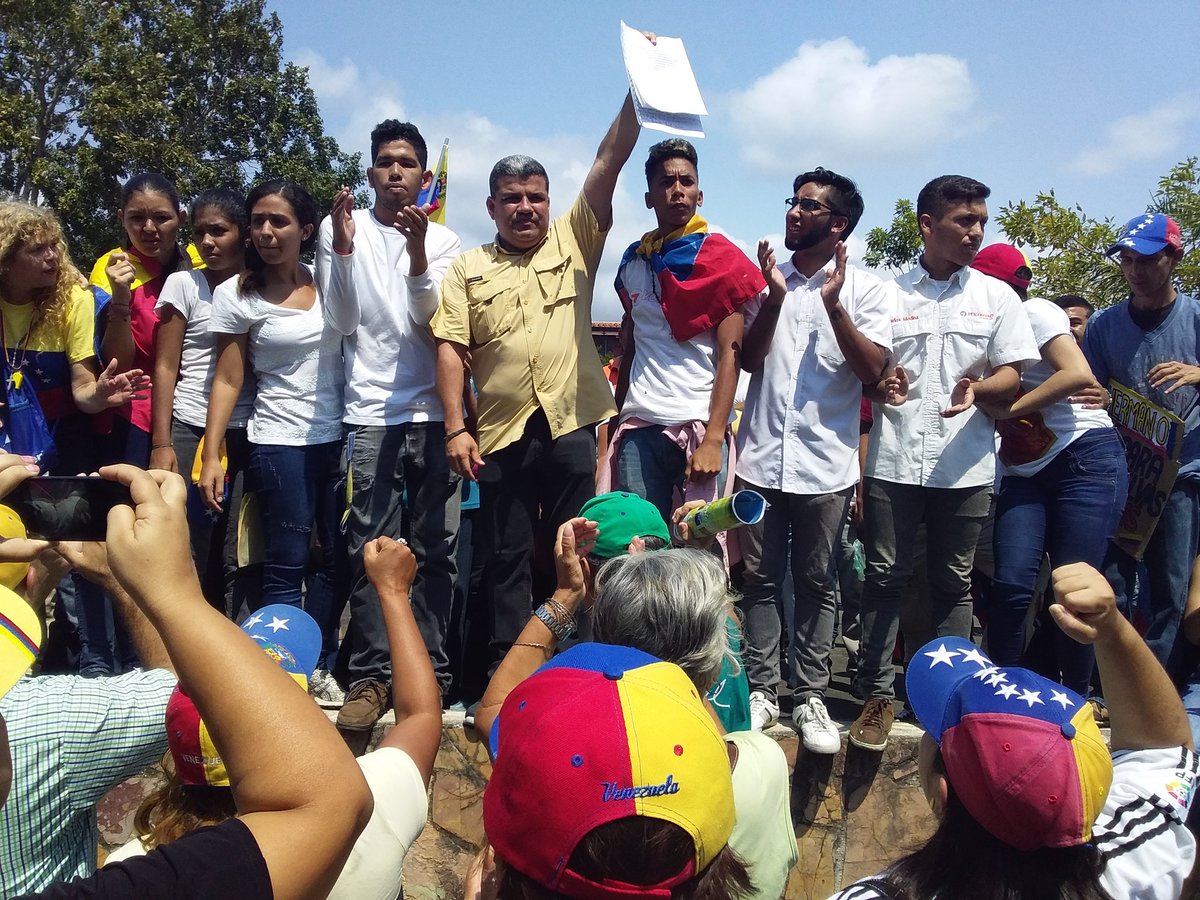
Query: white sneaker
(817, 731)
(764, 711)
(323, 688)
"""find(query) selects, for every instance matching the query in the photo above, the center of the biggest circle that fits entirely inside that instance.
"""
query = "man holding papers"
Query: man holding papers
(522, 307)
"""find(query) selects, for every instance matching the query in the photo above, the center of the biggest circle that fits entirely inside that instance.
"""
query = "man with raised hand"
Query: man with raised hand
(957, 335)
(384, 266)
(1150, 343)
(301, 798)
(824, 330)
(522, 307)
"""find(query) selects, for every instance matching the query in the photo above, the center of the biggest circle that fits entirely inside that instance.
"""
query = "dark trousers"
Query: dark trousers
(526, 491)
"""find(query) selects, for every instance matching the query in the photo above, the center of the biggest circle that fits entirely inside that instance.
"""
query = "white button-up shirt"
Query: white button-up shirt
(943, 331)
(799, 431)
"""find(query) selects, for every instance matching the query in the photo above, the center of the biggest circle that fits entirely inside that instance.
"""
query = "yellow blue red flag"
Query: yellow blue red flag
(434, 196)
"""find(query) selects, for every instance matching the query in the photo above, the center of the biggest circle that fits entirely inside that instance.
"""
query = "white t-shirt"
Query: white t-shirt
(1027, 447)
(799, 431)
(670, 382)
(390, 357)
(763, 835)
(375, 869)
(189, 295)
(297, 358)
(942, 332)
(1141, 831)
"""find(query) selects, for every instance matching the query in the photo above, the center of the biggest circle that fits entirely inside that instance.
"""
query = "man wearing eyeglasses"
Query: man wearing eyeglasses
(958, 336)
(685, 292)
(824, 329)
(1148, 343)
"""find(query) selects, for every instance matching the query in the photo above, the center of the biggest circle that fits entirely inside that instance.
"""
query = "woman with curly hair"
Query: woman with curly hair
(48, 334)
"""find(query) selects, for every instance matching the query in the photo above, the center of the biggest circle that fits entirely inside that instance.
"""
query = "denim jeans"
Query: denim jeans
(214, 542)
(297, 488)
(652, 466)
(1069, 509)
(953, 519)
(402, 487)
(526, 491)
(814, 524)
(1168, 561)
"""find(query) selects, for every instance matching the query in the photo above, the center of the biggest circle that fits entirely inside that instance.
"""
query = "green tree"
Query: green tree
(92, 93)
(1071, 244)
(898, 246)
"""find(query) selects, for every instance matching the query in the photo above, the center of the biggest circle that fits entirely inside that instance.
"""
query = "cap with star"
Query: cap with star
(1147, 234)
(288, 635)
(1023, 753)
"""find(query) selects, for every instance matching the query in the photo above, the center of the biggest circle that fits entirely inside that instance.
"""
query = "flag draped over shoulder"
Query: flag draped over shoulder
(702, 277)
(434, 196)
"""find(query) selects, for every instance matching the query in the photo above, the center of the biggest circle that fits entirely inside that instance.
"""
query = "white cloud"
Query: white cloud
(1154, 134)
(830, 105)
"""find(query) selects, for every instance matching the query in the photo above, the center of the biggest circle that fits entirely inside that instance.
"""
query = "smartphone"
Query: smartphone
(66, 509)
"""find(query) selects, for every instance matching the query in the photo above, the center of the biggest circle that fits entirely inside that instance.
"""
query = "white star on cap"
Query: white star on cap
(973, 655)
(997, 677)
(276, 624)
(252, 621)
(985, 673)
(1007, 691)
(1032, 697)
(1060, 697)
(941, 655)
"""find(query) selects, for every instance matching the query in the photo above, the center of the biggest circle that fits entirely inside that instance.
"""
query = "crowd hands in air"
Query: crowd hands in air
(427, 436)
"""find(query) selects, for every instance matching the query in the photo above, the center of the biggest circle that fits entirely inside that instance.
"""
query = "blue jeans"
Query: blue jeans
(1069, 509)
(402, 487)
(297, 488)
(652, 466)
(1168, 561)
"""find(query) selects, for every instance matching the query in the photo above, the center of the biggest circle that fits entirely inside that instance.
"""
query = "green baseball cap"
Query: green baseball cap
(622, 516)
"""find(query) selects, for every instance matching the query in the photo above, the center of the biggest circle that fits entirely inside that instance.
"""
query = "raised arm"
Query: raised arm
(758, 339)
(865, 357)
(1142, 702)
(614, 151)
(296, 785)
(335, 266)
(391, 567)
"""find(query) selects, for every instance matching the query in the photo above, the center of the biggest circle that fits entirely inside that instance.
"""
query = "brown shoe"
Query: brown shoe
(870, 730)
(365, 703)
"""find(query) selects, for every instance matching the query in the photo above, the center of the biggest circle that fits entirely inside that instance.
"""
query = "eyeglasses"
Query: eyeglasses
(809, 205)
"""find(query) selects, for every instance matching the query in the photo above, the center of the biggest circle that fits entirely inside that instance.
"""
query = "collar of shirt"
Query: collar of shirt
(793, 277)
(918, 276)
(499, 252)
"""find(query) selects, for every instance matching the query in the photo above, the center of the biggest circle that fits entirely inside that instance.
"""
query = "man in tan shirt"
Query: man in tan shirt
(522, 307)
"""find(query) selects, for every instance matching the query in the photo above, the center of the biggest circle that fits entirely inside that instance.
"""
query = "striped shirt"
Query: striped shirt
(1141, 831)
(72, 740)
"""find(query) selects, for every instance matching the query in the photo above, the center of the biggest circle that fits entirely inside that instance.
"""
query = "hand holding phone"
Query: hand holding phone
(67, 508)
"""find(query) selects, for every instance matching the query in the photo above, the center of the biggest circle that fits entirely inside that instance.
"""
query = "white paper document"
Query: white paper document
(662, 84)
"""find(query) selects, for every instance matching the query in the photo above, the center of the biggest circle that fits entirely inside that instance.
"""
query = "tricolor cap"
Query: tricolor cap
(602, 733)
(1023, 753)
(620, 517)
(1006, 262)
(1147, 234)
(289, 636)
(21, 637)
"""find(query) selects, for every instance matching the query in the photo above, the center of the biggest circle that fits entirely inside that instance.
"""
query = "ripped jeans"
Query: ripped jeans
(297, 490)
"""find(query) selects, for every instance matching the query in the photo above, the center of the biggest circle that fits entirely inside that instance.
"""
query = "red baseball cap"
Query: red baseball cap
(1006, 262)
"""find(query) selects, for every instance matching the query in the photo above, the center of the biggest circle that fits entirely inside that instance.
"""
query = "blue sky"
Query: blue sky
(1092, 100)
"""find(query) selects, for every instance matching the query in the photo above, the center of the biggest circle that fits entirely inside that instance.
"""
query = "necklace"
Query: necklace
(16, 361)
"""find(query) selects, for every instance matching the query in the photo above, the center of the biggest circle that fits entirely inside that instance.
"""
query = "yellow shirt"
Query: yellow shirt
(527, 320)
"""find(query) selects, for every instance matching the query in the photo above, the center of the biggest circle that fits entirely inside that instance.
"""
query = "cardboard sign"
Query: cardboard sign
(1153, 437)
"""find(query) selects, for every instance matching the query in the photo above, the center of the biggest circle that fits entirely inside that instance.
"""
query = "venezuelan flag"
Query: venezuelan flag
(434, 196)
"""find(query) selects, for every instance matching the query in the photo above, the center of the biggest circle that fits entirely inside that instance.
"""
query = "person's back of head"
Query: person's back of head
(610, 779)
(672, 604)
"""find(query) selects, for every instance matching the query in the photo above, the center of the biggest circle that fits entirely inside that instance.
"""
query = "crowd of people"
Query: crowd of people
(427, 435)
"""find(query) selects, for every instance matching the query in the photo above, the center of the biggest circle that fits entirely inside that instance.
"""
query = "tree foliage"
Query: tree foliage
(1071, 244)
(898, 246)
(91, 93)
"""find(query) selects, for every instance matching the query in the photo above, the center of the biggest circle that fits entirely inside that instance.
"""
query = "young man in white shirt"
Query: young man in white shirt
(386, 265)
(821, 334)
(957, 336)
(685, 292)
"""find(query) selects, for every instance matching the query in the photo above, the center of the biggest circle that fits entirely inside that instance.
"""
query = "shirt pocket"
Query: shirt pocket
(966, 346)
(492, 306)
(556, 278)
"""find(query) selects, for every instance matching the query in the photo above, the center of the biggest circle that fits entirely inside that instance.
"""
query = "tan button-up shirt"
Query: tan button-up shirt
(527, 320)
